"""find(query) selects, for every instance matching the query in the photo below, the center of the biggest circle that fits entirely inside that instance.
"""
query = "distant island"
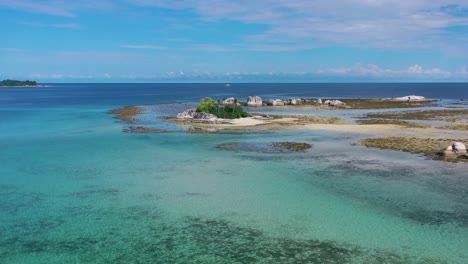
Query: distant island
(16, 83)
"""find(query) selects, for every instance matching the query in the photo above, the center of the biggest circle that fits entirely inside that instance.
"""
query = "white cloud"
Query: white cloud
(462, 72)
(371, 70)
(55, 9)
(361, 23)
(415, 69)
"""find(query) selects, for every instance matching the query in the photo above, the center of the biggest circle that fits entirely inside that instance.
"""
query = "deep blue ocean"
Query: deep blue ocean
(118, 94)
(74, 188)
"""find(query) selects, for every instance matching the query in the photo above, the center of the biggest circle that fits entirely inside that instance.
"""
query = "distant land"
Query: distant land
(16, 83)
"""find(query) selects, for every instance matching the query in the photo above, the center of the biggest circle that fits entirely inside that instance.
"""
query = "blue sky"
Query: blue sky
(230, 41)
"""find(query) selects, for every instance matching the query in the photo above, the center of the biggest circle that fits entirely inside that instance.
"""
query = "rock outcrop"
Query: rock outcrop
(293, 101)
(334, 103)
(187, 114)
(410, 98)
(230, 101)
(457, 148)
(254, 101)
(275, 102)
(193, 114)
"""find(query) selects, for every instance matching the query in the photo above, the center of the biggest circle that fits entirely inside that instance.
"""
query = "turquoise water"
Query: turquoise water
(75, 189)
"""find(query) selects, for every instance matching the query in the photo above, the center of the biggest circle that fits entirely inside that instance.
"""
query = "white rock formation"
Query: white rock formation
(254, 101)
(230, 101)
(457, 148)
(410, 98)
(277, 102)
(334, 103)
(293, 101)
(187, 114)
(193, 114)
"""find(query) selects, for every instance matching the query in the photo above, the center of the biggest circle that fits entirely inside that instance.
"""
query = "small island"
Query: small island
(17, 83)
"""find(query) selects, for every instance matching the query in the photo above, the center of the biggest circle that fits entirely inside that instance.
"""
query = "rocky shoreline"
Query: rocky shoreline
(334, 103)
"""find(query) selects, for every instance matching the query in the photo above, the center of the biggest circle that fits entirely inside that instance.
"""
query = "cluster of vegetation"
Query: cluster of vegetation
(208, 105)
(17, 83)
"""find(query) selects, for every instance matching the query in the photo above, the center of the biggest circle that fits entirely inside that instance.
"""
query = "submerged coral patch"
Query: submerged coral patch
(266, 147)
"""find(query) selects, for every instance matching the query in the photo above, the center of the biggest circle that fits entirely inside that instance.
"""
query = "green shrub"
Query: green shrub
(208, 105)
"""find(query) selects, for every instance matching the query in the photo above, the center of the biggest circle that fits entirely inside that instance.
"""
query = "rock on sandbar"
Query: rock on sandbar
(410, 98)
(457, 148)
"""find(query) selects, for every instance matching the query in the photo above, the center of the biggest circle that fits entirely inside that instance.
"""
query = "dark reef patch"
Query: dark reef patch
(428, 217)
(128, 113)
(143, 129)
(12, 201)
(266, 147)
(106, 192)
(193, 240)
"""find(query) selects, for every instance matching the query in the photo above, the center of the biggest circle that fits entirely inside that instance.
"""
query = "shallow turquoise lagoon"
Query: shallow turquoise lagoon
(75, 189)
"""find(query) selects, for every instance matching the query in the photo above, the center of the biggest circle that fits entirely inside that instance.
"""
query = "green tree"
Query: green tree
(207, 105)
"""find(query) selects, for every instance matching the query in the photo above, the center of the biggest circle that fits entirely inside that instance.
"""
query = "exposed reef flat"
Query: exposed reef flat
(273, 122)
(143, 129)
(392, 122)
(384, 104)
(127, 113)
(266, 147)
(418, 145)
(451, 115)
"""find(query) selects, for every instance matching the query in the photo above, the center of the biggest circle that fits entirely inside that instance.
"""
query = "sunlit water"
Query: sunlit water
(75, 189)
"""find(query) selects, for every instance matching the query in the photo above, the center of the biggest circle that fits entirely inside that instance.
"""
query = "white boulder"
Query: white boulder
(254, 101)
(277, 102)
(292, 101)
(334, 103)
(230, 101)
(457, 148)
(410, 98)
(319, 101)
